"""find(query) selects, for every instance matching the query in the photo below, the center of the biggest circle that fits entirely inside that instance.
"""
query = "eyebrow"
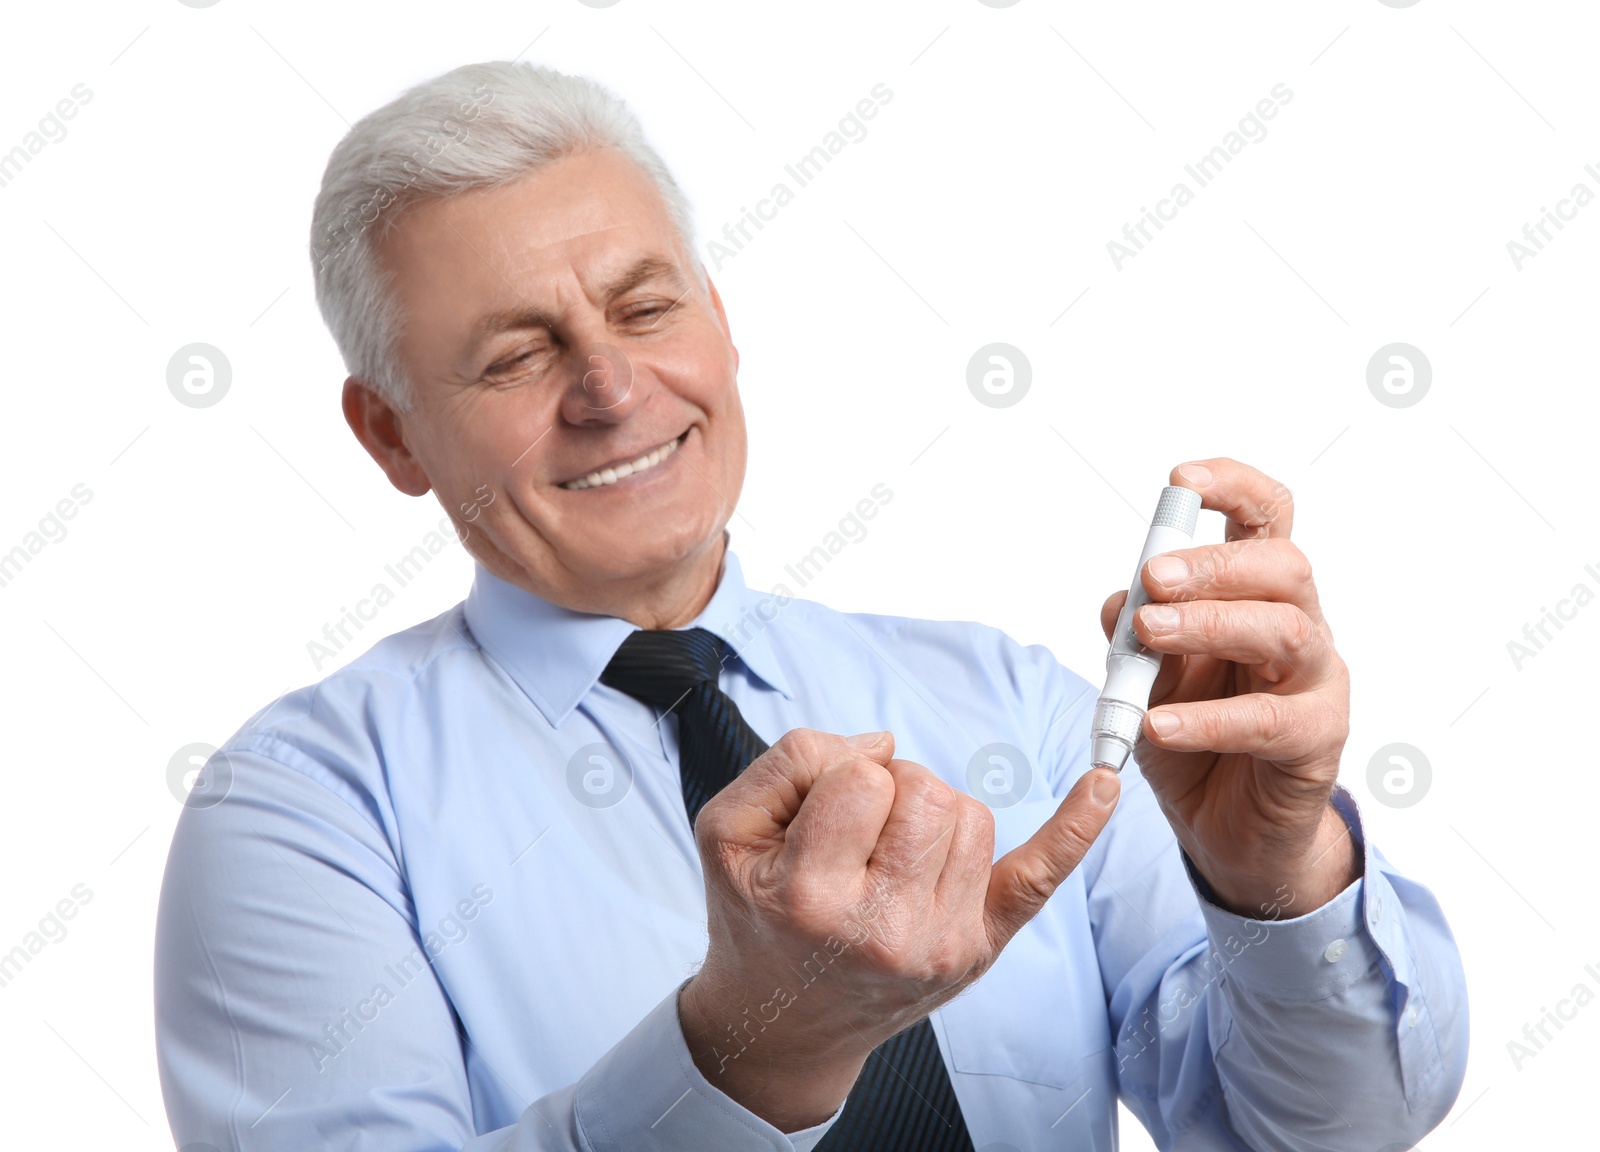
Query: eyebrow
(641, 271)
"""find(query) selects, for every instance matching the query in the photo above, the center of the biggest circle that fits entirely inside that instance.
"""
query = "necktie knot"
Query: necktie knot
(677, 671)
(660, 667)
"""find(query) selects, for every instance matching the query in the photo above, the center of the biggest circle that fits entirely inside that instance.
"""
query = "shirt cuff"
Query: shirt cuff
(1308, 957)
(646, 1094)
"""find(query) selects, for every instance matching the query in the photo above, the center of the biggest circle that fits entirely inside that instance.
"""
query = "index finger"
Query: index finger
(1255, 504)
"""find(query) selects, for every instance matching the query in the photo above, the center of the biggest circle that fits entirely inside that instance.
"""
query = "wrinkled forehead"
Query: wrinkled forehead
(579, 234)
(576, 226)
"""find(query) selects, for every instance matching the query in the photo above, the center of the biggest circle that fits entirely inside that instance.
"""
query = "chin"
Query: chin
(660, 543)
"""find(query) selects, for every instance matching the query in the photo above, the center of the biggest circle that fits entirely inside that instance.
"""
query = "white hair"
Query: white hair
(476, 126)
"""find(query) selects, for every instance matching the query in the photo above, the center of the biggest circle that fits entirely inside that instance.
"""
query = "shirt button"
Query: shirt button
(1335, 951)
(1377, 909)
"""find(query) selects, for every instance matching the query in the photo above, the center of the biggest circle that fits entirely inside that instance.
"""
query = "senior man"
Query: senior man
(529, 876)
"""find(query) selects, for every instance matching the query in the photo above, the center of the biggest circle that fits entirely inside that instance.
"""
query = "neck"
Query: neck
(674, 601)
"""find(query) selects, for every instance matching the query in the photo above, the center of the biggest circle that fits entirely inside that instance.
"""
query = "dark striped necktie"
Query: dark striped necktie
(903, 1100)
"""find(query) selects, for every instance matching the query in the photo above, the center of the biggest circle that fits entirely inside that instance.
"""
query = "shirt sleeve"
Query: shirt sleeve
(275, 1028)
(1342, 1028)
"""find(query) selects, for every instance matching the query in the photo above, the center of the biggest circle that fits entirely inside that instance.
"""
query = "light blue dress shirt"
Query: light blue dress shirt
(449, 895)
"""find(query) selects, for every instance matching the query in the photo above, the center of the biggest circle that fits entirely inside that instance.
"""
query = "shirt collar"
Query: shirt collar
(555, 655)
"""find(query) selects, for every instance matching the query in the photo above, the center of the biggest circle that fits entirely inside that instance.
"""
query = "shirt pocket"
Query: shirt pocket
(1040, 1010)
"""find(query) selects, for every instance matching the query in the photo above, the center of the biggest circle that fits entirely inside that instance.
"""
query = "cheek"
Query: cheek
(492, 441)
(737, 441)
(713, 388)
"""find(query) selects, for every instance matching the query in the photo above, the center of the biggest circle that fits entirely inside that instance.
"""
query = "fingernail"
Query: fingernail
(1165, 723)
(1169, 570)
(1159, 617)
(1197, 474)
(865, 739)
(1105, 788)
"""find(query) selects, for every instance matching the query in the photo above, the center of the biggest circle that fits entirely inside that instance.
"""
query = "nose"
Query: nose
(605, 385)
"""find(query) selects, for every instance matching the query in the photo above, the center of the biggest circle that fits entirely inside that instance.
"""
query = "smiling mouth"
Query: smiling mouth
(611, 473)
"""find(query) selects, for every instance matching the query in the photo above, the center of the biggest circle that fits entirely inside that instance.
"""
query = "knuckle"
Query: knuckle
(1270, 721)
(935, 796)
(1278, 501)
(1338, 728)
(711, 826)
(807, 901)
(979, 967)
(1200, 721)
(803, 744)
(720, 855)
(1340, 679)
(868, 776)
(972, 811)
(946, 967)
(1033, 884)
(1297, 636)
(1296, 564)
(1076, 837)
(1224, 565)
(1200, 620)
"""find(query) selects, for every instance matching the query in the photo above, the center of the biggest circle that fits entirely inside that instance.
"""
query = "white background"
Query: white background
(218, 541)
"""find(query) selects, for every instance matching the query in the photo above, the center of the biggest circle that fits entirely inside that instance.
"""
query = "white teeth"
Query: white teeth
(611, 475)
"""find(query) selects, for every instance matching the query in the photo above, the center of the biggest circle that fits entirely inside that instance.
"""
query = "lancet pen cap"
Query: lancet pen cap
(1109, 752)
(1178, 508)
(1114, 732)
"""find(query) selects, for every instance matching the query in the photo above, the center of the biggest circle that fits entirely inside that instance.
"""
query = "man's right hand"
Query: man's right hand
(848, 895)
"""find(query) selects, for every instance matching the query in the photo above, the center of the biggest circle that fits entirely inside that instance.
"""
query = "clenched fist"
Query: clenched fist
(848, 895)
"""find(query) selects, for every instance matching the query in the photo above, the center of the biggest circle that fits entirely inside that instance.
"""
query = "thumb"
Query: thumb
(761, 801)
(877, 746)
(1025, 877)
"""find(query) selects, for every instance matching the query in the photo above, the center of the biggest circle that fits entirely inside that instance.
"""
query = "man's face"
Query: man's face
(554, 331)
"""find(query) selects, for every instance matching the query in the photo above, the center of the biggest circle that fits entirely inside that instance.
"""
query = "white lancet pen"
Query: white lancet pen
(1131, 667)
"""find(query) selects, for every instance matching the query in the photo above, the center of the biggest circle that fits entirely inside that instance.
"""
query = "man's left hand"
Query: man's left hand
(1251, 710)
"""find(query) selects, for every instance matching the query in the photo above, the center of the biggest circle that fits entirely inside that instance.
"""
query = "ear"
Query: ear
(722, 318)
(381, 430)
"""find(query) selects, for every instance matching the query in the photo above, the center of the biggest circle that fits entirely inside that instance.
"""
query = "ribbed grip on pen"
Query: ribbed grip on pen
(1179, 508)
(1114, 718)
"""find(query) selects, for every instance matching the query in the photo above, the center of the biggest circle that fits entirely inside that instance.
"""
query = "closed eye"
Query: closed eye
(651, 312)
(501, 367)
